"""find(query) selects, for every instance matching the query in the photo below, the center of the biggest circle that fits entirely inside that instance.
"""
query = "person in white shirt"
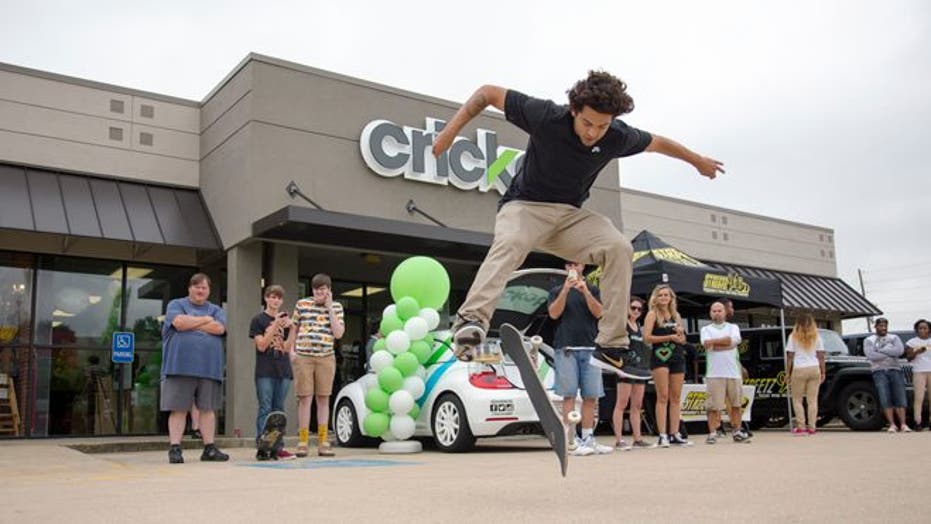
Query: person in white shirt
(805, 371)
(722, 373)
(917, 350)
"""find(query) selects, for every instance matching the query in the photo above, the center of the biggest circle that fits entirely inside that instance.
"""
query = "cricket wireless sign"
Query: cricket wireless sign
(391, 150)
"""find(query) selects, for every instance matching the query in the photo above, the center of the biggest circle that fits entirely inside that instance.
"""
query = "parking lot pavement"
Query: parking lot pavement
(831, 477)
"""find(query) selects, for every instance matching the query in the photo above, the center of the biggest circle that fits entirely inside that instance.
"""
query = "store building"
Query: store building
(110, 198)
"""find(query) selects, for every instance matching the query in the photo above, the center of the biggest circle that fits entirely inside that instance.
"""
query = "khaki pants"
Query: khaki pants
(922, 381)
(805, 383)
(575, 234)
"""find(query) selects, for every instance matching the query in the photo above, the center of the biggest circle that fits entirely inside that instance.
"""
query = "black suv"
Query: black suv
(847, 391)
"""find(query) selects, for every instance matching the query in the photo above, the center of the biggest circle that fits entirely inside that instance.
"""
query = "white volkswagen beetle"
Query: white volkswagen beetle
(467, 400)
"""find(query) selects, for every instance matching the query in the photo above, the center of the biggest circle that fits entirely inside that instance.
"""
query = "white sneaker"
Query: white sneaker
(663, 441)
(891, 429)
(581, 450)
(597, 447)
(905, 429)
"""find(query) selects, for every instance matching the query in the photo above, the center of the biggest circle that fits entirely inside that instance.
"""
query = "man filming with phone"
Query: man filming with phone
(273, 332)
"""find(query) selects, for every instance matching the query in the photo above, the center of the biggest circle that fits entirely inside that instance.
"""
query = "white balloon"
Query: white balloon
(402, 426)
(380, 360)
(400, 402)
(415, 386)
(416, 328)
(369, 380)
(431, 316)
(398, 342)
(387, 436)
(421, 372)
(390, 310)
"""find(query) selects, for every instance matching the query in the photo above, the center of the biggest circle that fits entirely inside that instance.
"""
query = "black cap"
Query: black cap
(881, 320)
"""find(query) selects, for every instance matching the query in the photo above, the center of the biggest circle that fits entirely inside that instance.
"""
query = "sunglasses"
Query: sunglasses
(636, 308)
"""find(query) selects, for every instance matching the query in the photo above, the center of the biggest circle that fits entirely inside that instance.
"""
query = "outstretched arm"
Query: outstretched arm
(707, 167)
(487, 95)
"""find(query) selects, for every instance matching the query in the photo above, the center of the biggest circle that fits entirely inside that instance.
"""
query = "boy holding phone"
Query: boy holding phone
(273, 333)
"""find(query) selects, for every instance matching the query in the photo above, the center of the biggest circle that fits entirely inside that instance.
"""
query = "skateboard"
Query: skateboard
(512, 342)
(272, 438)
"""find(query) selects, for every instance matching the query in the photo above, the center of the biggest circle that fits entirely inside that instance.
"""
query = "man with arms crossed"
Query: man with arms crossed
(723, 374)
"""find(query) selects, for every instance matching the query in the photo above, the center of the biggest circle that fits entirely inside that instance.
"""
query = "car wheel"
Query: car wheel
(450, 425)
(858, 406)
(348, 434)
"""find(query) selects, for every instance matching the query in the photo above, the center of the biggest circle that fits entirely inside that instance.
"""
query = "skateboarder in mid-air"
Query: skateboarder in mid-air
(542, 208)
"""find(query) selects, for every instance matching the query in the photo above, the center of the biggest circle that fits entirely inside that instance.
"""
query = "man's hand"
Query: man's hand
(709, 167)
(329, 299)
(580, 286)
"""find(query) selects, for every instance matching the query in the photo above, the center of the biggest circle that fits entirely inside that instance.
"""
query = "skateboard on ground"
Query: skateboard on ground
(272, 438)
(512, 342)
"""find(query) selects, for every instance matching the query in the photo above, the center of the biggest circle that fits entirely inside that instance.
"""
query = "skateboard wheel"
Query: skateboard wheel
(575, 417)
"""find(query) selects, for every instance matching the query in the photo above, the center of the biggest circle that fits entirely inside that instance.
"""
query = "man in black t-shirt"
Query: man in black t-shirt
(274, 334)
(542, 208)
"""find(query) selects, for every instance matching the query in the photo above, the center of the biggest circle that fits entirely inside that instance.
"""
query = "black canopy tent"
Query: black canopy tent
(695, 283)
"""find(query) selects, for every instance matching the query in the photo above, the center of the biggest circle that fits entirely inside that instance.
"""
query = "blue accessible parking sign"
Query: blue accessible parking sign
(124, 344)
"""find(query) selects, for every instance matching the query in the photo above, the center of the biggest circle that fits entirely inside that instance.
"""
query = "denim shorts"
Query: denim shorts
(574, 371)
(890, 386)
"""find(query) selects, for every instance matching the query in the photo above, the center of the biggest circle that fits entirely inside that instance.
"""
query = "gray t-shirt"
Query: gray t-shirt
(192, 353)
(883, 352)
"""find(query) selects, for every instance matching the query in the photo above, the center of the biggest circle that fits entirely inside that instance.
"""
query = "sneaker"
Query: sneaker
(301, 449)
(615, 361)
(325, 450)
(196, 435)
(212, 454)
(741, 437)
(712, 438)
(678, 440)
(597, 447)
(905, 429)
(663, 441)
(799, 432)
(720, 433)
(622, 444)
(581, 450)
(174, 455)
(263, 455)
(891, 429)
(284, 454)
(812, 431)
(640, 444)
(469, 335)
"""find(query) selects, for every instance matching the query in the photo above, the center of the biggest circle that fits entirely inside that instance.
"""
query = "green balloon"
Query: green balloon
(380, 344)
(390, 323)
(429, 339)
(407, 308)
(415, 411)
(406, 363)
(421, 350)
(376, 400)
(375, 424)
(390, 379)
(423, 279)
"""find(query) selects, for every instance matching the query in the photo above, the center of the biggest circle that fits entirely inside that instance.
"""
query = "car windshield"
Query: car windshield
(833, 343)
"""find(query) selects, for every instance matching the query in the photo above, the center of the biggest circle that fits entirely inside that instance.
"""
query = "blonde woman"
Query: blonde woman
(805, 371)
(662, 328)
(916, 350)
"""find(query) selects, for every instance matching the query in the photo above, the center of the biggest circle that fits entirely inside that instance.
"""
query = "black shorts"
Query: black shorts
(670, 356)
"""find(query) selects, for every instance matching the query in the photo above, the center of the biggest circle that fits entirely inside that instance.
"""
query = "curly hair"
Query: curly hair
(603, 92)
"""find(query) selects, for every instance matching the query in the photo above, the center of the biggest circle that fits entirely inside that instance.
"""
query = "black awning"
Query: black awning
(86, 206)
(817, 293)
(314, 226)
(696, 284)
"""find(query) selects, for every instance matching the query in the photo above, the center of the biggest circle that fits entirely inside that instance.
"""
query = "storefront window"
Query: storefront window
(148, 291)
(15, 357)
(78, 302)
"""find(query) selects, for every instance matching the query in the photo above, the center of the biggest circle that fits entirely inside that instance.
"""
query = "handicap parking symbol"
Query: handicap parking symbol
(123, 347)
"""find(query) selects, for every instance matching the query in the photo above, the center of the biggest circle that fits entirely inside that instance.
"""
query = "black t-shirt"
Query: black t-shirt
(558, 168)
(269, 363)
(577, 327)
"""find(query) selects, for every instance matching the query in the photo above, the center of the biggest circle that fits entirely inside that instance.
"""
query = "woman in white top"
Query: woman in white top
(805, 371)
(916, 350)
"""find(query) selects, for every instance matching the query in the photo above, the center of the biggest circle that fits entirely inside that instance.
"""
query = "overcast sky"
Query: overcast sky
(820, 110)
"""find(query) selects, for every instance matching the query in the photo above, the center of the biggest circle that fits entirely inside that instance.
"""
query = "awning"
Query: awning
(817, 293)
(331, 228)
(86, 206)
